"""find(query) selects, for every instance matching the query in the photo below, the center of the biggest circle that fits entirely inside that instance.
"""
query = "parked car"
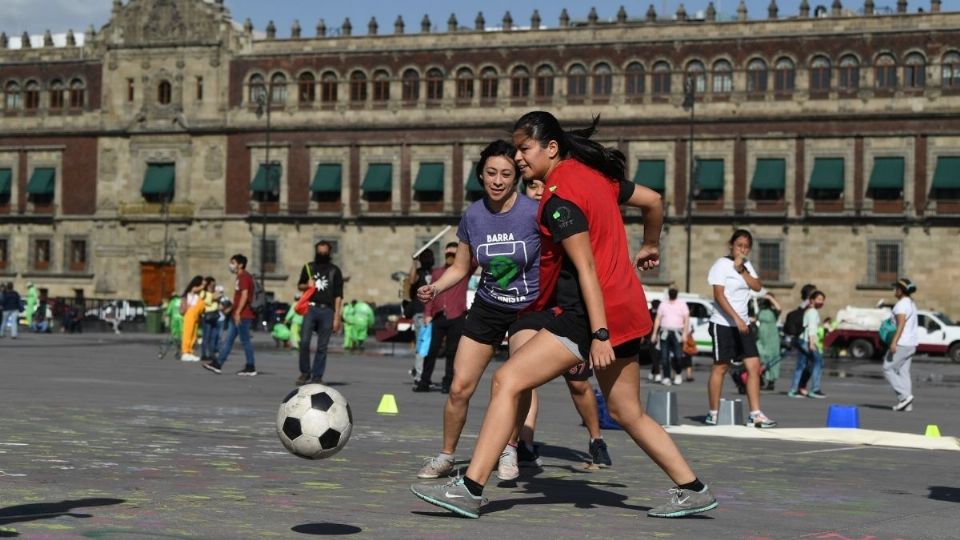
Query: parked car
(857, 333)
(129, 310)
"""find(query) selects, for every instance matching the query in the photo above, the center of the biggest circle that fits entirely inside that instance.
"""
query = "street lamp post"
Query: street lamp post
(689, 101)
(263, 107)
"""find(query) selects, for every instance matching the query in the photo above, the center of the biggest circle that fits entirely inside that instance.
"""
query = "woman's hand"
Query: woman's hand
(893, 348)
(601, 354)
(427, 293)
(742, 326)
(647, 258)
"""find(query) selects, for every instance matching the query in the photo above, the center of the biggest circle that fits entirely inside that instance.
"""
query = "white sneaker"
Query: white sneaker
(650, 376)
(665, 381)
(678, 380)
(189, 357)
(657, 377)
(904, 403)
(508, 469)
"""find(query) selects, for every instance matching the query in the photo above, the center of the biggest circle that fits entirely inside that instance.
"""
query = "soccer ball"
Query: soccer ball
(314, 422)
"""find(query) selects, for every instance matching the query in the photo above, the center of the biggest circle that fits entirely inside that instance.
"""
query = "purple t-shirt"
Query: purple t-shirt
(507, 248)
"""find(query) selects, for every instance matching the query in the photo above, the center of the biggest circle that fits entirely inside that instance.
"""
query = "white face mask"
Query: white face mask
(233, 268)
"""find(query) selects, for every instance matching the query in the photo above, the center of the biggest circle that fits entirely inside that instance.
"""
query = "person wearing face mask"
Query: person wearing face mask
(811, 349)
(239, 320)
(324, 315)
(447, 313)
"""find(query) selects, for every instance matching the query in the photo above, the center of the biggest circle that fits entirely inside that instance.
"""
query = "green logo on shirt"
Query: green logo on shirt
(503, 270)
(556, 215)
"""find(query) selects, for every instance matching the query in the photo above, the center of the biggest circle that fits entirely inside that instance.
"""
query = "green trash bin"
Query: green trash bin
(154, 316)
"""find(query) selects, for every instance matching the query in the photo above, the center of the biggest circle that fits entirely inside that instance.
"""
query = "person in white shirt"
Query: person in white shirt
(734, 341)
(896, 363)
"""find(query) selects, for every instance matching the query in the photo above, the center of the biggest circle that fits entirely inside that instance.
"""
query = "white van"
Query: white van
(701, 309)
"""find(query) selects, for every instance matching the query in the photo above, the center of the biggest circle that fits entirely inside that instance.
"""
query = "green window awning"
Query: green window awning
(770, 174)
(328, 178)
(379, 178)
(262, 184)
(42, 181)
(651, 173)
(947, 173)
(887, 173)
(6, 181)
(429, 177)
(827, 174)
(473, 183)
(159, 179)
(709, 175)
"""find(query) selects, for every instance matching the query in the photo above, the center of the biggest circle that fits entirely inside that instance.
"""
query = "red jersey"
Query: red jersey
(596, 196)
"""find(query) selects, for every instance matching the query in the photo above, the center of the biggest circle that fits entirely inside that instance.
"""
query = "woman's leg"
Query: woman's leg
(753, 382)
(586, 404)
(471, 361)
(620, 384)
(717, 373)
(529, 427)
(528, 407)
(544, 358)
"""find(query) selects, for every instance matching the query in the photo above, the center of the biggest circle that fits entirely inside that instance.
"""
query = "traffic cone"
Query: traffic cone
(388, 405)
(932, 431)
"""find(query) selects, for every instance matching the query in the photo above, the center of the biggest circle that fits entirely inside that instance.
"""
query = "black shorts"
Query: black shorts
(729, 345)
(488, 324)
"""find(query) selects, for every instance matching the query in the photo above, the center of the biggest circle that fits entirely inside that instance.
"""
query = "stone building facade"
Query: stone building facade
(834, 139)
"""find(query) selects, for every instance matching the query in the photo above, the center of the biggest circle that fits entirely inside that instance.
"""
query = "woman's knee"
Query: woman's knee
(624, 411)
(462, 390)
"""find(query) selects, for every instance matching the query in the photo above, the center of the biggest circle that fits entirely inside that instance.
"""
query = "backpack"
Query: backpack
(259, 300)
(793, 324)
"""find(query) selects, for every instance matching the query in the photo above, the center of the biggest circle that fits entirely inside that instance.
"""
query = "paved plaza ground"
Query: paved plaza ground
(100, 439)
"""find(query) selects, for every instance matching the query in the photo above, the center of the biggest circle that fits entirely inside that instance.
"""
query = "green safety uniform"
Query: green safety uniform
(295, 321)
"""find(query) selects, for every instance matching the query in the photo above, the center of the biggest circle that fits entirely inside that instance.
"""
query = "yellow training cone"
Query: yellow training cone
(932, 431)
(388, 405)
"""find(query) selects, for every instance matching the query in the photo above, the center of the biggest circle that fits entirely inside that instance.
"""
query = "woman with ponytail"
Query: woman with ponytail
(589, 284)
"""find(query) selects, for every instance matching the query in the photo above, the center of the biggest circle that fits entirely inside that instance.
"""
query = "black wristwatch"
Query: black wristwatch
(601, 335)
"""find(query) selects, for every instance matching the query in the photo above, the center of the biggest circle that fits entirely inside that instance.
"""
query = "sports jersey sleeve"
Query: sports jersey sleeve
(626, 191)
(717, 274)
(463, 232)
(563, 218)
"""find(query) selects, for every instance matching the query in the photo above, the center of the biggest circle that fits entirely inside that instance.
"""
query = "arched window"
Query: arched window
(577, 81)
(56, 94)
(31, 96)
(697, 72)
(13, 98)
(757, 76)
(434, 85)
(465, 84)
(722, 77)
(258, 88)
(411, 85)
(950, 70)
(164, 93)
(488, 83)
(885, 70)
(544, 86)
(661, 78)
(307, 87)
(784, 76)
(635, 79)
(78, 94)
(520, 82)
(358, 86)
(602, 81)
(328, 87)
(915, 71)
(278, 89)
(820, 74)
(381, 85)
(849, 72)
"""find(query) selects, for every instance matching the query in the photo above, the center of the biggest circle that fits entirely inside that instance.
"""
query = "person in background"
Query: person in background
(174, 320)
(295, 321)
(349, 326)
(240, 320)
(896, 363)
(191, 306)
(810, 349)
(670, 330)
(421, 269)
(210, 321)
(11, 310)
(33, 300)
(363, 317)
(446, 313)
(281, 335)
(768, 339)
(326, 310)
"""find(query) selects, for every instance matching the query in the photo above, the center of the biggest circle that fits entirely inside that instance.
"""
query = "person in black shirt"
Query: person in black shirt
(325, 311)
(420, 274)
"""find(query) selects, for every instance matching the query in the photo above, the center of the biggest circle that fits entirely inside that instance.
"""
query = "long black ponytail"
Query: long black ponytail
(543, 127)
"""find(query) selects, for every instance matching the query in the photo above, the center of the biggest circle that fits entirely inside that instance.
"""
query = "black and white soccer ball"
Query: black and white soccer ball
(314, 422)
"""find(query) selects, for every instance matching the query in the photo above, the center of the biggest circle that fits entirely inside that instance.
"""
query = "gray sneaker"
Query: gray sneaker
(684, 502)
(435, 467)
(507, 467)
(452, 495)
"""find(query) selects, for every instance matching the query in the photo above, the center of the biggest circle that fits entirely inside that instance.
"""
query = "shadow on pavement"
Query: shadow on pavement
(37, 511)
(562, 452)
(875, 406)
(326, 529)
(944, 493)
(579, 493)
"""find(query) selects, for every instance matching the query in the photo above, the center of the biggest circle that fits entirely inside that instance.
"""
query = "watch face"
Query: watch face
(602, 334)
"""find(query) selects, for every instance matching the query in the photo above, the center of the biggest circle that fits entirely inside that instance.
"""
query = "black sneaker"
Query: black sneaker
(598, 451)
(421, 388)
(212, 366)
(248, 371)
(527, 457)
(303, 379)
(316, 380)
